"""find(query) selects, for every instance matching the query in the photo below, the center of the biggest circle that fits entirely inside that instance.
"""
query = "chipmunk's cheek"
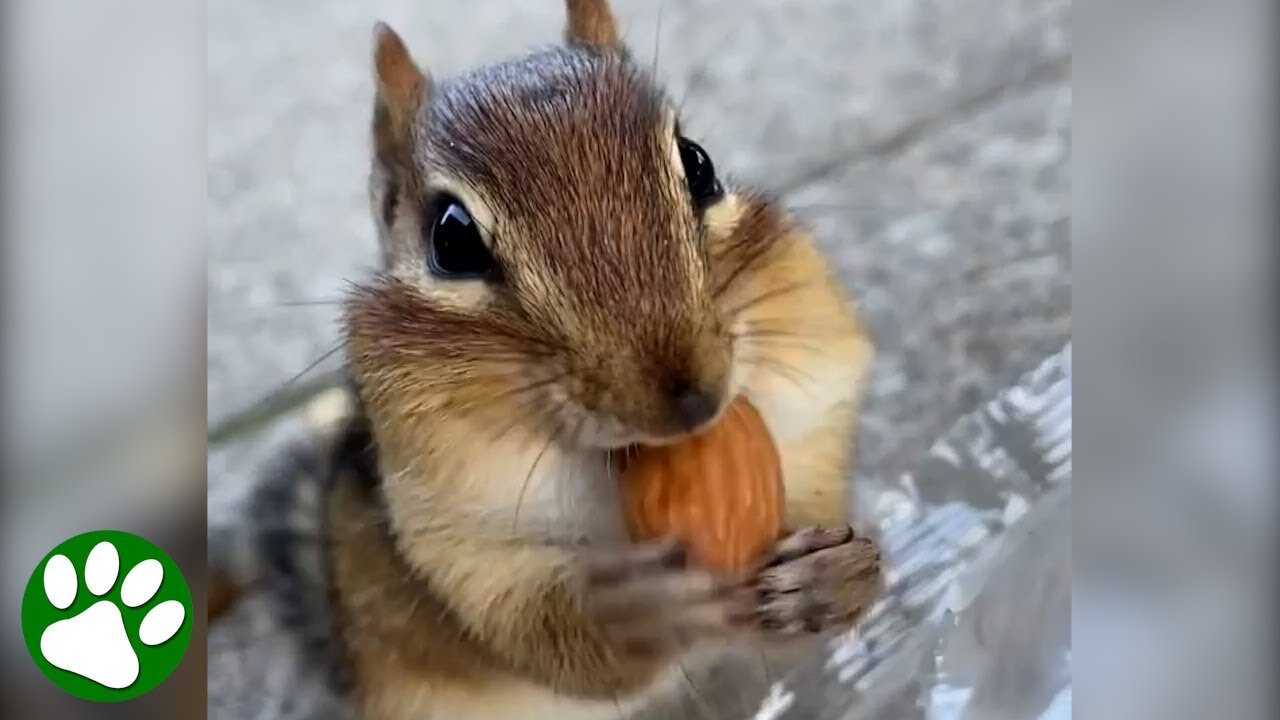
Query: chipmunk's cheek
(596, 422)
(579, 420)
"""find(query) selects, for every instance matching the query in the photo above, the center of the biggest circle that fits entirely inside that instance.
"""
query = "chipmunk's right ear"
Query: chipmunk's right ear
(591, 22)
(402, 86)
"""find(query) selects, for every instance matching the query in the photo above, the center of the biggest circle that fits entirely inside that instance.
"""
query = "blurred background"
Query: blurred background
(104, 196)
(929, 144)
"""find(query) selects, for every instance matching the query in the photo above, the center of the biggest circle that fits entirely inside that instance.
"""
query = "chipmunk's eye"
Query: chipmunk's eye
(699, 173)
(455, 249)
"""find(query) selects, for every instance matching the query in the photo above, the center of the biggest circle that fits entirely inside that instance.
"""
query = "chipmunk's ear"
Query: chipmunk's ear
(591, 22)
(402, 87)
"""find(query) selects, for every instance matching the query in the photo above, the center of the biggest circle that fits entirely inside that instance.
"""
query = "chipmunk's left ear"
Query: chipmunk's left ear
(591, 22)
(401, 86)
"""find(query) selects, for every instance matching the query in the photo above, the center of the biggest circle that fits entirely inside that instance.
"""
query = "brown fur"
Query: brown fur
(401, 85)
(573, 252)
(493, 405)
(387, 597)
(590, 22)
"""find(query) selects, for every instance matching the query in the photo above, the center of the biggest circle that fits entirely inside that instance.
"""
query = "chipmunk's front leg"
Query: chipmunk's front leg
(595, 624)
(600, 625)
(821, 577)
(591, 623)
(817, 580)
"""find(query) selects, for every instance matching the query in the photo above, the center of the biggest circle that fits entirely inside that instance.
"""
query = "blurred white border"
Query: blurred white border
(104, 225)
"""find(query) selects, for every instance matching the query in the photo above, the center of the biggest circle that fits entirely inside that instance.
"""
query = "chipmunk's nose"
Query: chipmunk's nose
(693, 406)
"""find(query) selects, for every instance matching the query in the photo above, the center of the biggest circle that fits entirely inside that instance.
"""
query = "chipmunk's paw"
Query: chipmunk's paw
(816, 580)
(648, 602)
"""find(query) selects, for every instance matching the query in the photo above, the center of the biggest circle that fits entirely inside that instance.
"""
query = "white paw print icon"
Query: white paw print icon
(94, 643)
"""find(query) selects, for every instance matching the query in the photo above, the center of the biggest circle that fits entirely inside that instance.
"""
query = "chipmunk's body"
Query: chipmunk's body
(564, 276)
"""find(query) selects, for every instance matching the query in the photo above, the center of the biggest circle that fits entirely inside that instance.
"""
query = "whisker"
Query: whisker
(780, 338)
(790, 323)
(795, 369)
(782, 370)
(544, 414)
(522, 389)
(286, 397)
(337, 347)
(610, 467)
(765, 296)
(757, 251)
(756, 351)
(767, 337)
(715, 48)
(356, 286)
(767, 334)
(310, 303)
(816, 343)
(524, 486)
(657, 41)
(517, 416)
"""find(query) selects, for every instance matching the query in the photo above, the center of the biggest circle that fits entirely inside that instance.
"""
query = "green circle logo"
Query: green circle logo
(107, 616)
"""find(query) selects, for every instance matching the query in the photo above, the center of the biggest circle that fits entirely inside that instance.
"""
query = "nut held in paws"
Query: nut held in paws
(720, 492)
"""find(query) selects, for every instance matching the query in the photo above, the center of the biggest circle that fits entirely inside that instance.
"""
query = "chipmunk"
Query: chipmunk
(563, 274)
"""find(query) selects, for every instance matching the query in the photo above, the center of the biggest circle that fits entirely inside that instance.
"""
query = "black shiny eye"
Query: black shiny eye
(699, 173)
(455, 249)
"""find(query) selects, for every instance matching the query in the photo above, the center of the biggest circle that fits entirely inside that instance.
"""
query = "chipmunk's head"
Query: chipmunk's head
(545, 230)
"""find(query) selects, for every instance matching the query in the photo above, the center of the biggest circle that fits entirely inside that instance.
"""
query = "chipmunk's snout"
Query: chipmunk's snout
(652, 391)
(692, 405)
(688, 394)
